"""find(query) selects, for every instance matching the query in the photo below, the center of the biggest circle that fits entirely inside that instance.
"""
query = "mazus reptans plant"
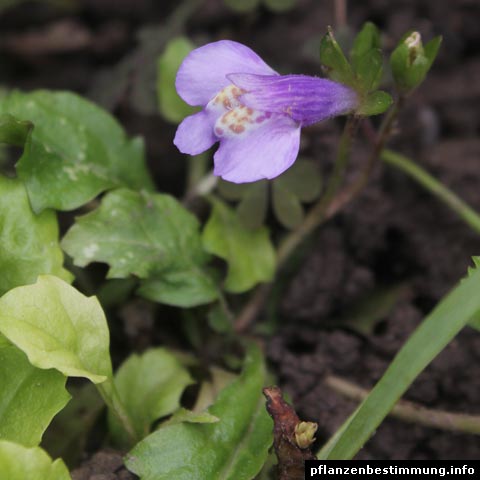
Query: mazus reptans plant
(255, 113)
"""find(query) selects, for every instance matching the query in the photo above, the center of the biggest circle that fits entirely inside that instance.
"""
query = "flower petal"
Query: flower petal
(263, 152)
(195, 134)
(305, 99)
(204, 71)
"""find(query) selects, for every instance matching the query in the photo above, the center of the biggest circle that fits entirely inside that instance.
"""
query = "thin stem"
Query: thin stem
(312, 220)
(111, 397)
(251, 309)
(430, 183)
(410, 411)
(323, 210)
(317, 213)
(386, 128)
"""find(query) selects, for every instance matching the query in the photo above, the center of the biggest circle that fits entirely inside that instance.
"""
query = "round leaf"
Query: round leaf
(287, 207)
(249, 253)
(29, 397)
(58, 327)
(148, 235)
(303, 180)
(253, 207)
(172, 107)
(29, 242)
(150, 387)
(75, 151)
(13, 131)
(21, 463)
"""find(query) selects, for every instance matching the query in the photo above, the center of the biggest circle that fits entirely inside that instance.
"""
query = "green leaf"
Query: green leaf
(148, 235)
(58, 327)
(21, 463)
(301, 183)
(252, 209)
(232, 191)
(475, 320)
(219, 319)
(375, 103)
(29, 242)
(332, 57)
(172, 107)
(287, 206)
(13, 131)
(280, 5)
(428, 340)
(150, 387)
(29, 397)
(253, 200)
(188, 288)
(249, 253)
(188, 416)
(411, 61)
(75, 151)
(242, 6)
(234, 448)
(303, 180)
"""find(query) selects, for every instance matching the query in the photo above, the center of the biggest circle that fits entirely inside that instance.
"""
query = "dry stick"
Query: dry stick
(327, 207)
(410, 411)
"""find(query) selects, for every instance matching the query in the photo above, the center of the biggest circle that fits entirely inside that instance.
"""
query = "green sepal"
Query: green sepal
(336, 64)
(375, 103)
(367, 39)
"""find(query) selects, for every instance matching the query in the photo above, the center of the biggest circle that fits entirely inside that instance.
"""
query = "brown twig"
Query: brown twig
(291, 454)
(410, 411)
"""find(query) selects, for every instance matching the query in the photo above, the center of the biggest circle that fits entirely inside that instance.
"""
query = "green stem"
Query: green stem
(317, 213)
(112, 399)
(464, 211)
(341, 160)
(327, 207)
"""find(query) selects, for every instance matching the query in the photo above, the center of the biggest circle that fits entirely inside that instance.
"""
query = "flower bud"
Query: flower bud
(410, 61)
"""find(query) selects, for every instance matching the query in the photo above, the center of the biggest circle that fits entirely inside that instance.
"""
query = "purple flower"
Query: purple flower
(255, 113)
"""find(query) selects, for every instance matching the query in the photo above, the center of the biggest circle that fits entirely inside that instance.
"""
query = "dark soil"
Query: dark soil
(394, 238)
